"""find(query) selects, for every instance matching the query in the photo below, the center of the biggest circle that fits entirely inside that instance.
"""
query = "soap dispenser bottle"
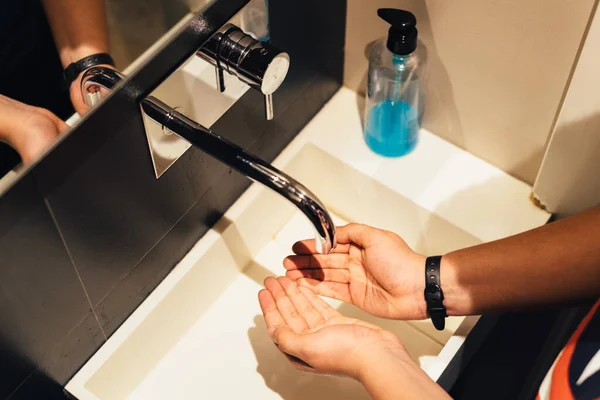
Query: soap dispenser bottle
(392, 116)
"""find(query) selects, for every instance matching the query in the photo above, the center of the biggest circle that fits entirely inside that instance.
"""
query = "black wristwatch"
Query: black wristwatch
(74, 69)
(434, 296)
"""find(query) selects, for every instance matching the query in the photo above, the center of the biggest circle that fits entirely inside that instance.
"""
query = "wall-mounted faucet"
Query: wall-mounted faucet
(258, 64)
(262, 67)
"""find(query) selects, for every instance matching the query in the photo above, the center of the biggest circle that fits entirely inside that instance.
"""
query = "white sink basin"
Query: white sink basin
(201, 334)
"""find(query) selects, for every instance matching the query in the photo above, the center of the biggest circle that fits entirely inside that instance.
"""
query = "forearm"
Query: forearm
(79, 28)
(399, 378)
(554, 264)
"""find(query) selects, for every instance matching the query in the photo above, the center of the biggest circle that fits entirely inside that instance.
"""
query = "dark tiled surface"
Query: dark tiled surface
(39, 387)
(64, 360)
(14, 367)
(60, 363)
(312, 32)
(245, 120)
(135, 287)
(41, 298)
(113, 210)
(231, 187)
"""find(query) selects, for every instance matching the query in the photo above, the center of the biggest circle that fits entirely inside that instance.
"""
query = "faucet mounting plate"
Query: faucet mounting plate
(165, 147)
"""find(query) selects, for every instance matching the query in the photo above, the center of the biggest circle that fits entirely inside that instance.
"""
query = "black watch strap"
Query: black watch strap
(434, 297)
(74, 69)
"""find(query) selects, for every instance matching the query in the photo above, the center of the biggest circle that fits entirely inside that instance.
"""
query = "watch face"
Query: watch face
(275, 73)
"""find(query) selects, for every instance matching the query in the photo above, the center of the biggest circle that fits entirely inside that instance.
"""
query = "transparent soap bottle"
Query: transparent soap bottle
(393, 112)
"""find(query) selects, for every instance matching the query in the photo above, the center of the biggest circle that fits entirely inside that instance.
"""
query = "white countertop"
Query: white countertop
(437, 175)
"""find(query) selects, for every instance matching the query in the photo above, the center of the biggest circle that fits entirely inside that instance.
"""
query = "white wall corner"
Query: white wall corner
(569, 178)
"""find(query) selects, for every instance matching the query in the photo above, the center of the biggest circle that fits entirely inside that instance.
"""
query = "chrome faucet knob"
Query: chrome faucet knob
(97, 82)
(258, 64)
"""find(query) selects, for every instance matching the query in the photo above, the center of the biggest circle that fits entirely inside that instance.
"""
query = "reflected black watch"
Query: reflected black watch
(434, 296)
(74, 69)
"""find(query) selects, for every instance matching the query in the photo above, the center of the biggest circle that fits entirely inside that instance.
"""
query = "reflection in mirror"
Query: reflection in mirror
(39, 39)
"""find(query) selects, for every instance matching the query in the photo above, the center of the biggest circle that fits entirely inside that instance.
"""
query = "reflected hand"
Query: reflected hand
(371, 268)
(29, 130)
(317, 338)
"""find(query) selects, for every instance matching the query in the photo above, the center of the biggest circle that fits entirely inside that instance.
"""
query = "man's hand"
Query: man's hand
(29, 130)
(373, 269)
(317, 338)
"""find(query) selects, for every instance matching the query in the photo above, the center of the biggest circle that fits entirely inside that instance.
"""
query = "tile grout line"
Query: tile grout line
(21, 384)
(154, 246)
(64, 242)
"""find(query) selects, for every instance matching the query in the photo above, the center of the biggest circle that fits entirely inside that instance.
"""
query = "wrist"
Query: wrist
(454, 299)
(420, 305)
(395, 375)
(377, 362)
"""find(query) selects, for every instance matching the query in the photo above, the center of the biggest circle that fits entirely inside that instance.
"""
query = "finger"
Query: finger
(319, 304)
(308, 247)
(328, 275)
(304, 307)
(362, 235)
(269, 309)
(60, 125)
(334, 290)
(285, 306)
(316, 261)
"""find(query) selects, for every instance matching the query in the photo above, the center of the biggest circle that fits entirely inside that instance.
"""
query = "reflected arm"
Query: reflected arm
(79, 28)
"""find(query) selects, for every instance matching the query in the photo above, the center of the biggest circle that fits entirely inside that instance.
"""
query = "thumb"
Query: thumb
(289, 341)
(362, 235)
(61, 126)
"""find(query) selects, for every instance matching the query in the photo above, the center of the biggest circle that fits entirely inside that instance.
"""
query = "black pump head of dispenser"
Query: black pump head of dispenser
(402, 36)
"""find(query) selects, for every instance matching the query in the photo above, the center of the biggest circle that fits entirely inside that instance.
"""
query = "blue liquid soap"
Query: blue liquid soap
(392, 128)
(393, 120)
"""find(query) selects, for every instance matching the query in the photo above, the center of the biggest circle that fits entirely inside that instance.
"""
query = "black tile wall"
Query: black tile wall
(159, 261)
(39, 386)
(113, 210)
(42, 302)
(90, 232)
(313, 33)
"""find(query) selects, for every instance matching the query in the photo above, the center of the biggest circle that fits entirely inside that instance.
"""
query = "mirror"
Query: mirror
(39, 38)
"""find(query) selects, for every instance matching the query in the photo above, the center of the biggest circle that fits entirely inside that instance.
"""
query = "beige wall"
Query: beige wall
(497, 69)
(569, 180)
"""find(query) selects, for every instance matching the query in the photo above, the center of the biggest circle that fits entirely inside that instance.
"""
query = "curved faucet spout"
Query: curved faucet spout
(249, 165)
(98, 80)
